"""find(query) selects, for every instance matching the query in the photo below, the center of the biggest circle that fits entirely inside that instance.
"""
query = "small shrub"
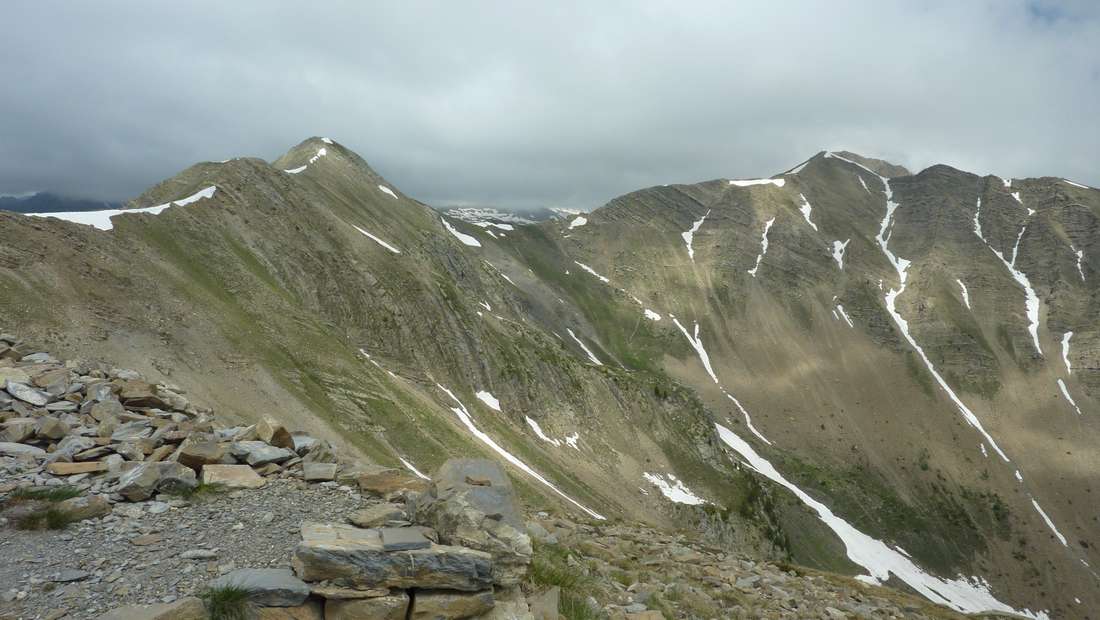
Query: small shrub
(227, 603)
(44, 519)
(44, 494)
(199, 492)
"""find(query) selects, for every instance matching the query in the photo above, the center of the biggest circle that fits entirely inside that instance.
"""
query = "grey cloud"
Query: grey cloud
(525, 104)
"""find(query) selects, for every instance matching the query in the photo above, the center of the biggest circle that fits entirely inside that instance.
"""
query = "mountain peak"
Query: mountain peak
(878, 166)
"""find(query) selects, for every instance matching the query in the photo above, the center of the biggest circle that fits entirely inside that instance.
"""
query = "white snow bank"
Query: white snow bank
(1080, 254)
(864, 184)
(1016, 195)
(295, 170)
(102, 219)
(488, 399)
(674, 489)
(651, 315)
(413, 469)
(1076, 184)
(805, 208)
(840, 309)
(697, 344)
(965, 293)
(1065, 351)
(763, 247)
(538, 431)
(838, 252)
(468, 421)
(751, 182)
(591, 271)
(1050, 524)
(748, 419)
(463, 237)
(689, 235)
(387, 190)
(321, 153)
(967, 595)
(378, 241)
(326, 140)
(1065, 392)
(572, 440)
(579, 221)
(587, 351)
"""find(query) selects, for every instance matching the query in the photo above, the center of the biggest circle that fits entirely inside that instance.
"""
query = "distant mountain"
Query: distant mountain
(478, 215)
(849, 366)
(45, 202)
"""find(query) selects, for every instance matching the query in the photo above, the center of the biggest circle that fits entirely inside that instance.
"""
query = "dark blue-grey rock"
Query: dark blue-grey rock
(267, 587)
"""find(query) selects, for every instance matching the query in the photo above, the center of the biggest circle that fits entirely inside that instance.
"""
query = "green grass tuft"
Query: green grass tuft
(550, 567)
(44, 519)
(200, 491)
(227, 603)
(45, 494)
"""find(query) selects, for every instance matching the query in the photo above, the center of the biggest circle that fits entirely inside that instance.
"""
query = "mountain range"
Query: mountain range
(855, 367)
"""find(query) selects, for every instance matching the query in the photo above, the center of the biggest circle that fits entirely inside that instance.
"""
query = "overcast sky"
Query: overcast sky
(555, 103)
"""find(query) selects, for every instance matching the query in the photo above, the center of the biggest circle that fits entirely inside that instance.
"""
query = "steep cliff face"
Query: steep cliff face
(826, 352)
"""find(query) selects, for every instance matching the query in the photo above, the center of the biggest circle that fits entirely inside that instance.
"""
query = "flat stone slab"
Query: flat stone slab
(357, 558)
(19, 449)
(270, 587)
(319, 472)
(232, 476)
(403, 539)
(70, 469)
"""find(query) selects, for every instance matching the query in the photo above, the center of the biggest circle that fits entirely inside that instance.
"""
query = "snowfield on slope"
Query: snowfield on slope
(689, 235)
(461, 236)
(674, 489)
(468, 421)
(101, 220)
(967, 595)
(378, 241)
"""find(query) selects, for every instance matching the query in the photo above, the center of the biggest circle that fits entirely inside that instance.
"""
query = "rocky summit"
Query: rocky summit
(288, 390)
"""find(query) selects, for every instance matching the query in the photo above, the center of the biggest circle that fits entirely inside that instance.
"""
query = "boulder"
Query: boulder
(232, 476)
(354, 557)
(17, 375)
(135, 393)
(59, 468)
(27, 394)
(310, 610)
(258, 453)
(189, 608)
(272, 432)
(106, 409)
(85, 507)
(300, 442)
(384, 480)
(131, 431)
(139, 481)
(196, 454)
(51, 428)
(392, 607)
(319, 472)
(472, 503)
(544, 605)
(443, 605)
(8, 448)
(319, 452)
(75, 444)
(269, 587)
(17, 430)
(377, 515)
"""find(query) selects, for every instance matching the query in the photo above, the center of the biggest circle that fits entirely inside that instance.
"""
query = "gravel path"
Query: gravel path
(158, 551)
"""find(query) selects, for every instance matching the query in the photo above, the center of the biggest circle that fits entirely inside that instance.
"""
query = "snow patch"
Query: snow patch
(378, 241)
(844, 314)
(798, 168)
(1050, 524)
(751, 182)
(321, 153)
(591, 271)
(587, 351)
(577, 222)
(1076, 184)
(805, 208)
(748, 419)
(674, 489)
(689, 235)
(572, 440)
(838, 252)
(538, 431)
(295, 170)
(1065, 392)
(965, 293)
(463, 237)
(102, 219)
(1016, 195)
(651, 315)
(967, 595)
(1031, 299)
(697, 344)
(488, 399)
(763, 247)
(468, 421)
(387, 190)
(414, 470)
(864, 184)
(1065, 351)
(1080, 254)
